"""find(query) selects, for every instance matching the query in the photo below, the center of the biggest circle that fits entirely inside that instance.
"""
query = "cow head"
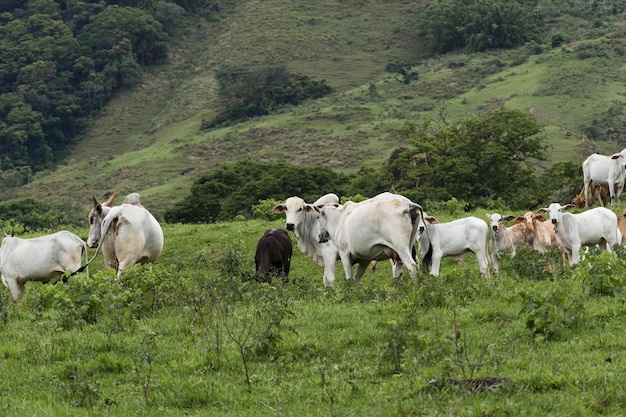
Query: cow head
(329, 215)
(496, 219)
(555, 211)
(96, 215)
(295, 210)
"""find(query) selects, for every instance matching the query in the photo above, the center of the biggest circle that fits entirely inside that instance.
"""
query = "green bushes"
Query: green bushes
(247, 92)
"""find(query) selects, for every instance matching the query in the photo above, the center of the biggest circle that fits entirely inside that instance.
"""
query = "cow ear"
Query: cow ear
(542, 210)
(309, 208)
(488, 216)
(519, 220)
(432, 220)
(568, 207)
(541, 218)
(279, 208)
(95, 202)
(509, 217)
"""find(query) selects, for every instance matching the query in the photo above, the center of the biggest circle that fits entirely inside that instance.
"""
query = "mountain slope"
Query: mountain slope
(148, 139)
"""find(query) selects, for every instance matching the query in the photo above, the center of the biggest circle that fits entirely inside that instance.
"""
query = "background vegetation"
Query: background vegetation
(376, 57)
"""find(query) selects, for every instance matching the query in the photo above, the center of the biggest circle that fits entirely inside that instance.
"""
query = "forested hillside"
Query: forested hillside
(146, 96)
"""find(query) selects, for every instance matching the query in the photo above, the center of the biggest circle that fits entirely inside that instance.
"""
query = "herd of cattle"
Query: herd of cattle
(387, 226)
(127, 234)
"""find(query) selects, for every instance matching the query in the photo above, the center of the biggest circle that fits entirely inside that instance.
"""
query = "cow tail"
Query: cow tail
(86, 266)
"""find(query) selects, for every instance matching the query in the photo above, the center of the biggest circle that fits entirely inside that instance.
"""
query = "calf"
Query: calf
(544, 237)
(599, 194)
(507, 238)
(456, 238)
(273, 254)
(39, 259)
(597, 226)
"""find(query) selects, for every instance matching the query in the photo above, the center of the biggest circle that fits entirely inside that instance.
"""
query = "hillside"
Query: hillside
(148, 139)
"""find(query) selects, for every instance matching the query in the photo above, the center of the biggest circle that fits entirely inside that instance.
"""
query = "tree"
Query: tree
(249, 92)
(474, 160)
(231, 190)
(479, 25)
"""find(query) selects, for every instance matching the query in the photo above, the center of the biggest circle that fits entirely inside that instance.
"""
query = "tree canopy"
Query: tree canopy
(62, 61)
(475, 160)
(479, 25)
(230, 190)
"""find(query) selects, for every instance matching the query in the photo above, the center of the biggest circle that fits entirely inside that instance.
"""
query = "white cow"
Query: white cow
(605, 170)
(301, 219)
(505, 238)
(397, 267)
(375, 230)
(597, 226)
(39, 259)
(455, 239)
(128, 234)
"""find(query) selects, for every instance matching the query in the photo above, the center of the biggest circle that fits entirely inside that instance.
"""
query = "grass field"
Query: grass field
(191, 335)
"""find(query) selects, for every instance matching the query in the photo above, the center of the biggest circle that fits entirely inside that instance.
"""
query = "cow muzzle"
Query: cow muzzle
(323, 236)
(290, 226)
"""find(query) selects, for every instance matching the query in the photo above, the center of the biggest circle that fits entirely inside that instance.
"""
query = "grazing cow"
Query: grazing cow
(455, 239)
(507, 238)
(375, 230)
(39, 259)
(605, 170)
(599, 194)
(128, 234)
(273, 254)
(621, 225)
(597, 226)
(301, 219)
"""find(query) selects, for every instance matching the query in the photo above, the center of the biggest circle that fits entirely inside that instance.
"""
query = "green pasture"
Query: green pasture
(192, 334)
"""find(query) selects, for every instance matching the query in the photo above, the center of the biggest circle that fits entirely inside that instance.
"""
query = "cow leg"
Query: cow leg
(574, 256)
(483, 264)
(495, 260)
(360, 271)
(347, 265)
(330, 267)
(436, 262)
(17, 291)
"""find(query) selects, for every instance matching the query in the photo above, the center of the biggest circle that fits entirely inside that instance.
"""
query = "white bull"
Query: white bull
(128, 234)
(455, 239)
(597, 226)
(375, 230)
(605, 170)
(39, 259)
(301, 219)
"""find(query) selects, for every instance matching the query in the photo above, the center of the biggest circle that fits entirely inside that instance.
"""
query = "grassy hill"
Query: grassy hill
(148, 139)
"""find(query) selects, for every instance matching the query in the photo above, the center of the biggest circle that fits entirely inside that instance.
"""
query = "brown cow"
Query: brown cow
(273, 254)
(603, 198)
